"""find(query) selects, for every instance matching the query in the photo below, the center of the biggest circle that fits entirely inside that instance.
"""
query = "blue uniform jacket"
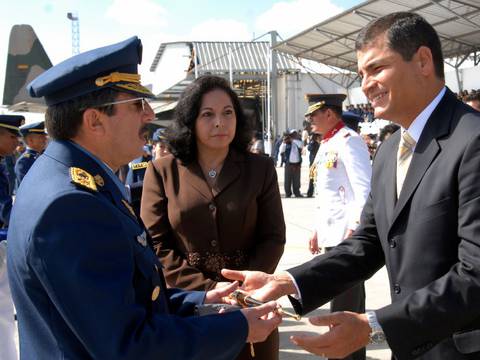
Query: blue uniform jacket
(86, 285)
(5, 197)
(136, 170)
(24, 163)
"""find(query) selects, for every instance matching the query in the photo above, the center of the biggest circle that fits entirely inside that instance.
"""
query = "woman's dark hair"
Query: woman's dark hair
(64, 119)
(388, 129)
(182, 138)
(405, 32)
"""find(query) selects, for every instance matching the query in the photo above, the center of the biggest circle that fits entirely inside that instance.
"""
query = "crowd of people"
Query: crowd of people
(120, 250)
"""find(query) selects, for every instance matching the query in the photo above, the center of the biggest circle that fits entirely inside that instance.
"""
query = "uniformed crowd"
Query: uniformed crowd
(124, 248)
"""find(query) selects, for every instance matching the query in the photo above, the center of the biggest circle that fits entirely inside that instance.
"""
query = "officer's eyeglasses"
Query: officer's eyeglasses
(142, 103)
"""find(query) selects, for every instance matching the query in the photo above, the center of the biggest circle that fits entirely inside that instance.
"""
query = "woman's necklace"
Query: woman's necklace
(212, 173)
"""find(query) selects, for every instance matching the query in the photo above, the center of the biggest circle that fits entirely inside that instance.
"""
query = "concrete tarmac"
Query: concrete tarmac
(299, 217)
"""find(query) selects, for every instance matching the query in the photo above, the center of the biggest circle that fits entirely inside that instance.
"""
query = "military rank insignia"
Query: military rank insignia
(82, 178)
(331, 159)
(26, 155)
(99, 180)
(137, 166)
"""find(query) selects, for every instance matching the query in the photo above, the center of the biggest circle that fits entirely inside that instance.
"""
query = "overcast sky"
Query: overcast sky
(104, 22)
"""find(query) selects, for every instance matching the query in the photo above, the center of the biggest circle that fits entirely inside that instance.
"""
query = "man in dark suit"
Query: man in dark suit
(85, 283)
(422, 218)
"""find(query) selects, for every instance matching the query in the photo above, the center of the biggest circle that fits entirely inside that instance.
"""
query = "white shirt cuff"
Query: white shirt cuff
(298, 295)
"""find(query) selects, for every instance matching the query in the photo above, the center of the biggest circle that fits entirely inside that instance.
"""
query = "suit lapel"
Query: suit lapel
(230, 172)
(192, 173)
(427, 149)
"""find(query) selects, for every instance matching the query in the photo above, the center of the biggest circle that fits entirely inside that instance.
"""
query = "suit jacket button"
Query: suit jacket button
(155, 293)
(214, 243)
(212, 207)
(397, 289)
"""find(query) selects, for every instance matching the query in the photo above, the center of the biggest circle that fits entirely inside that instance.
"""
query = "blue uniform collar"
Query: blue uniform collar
(31, 151)
(73, 155)
(105, 168)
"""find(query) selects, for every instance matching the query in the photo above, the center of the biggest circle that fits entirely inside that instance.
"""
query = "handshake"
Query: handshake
(348, 331)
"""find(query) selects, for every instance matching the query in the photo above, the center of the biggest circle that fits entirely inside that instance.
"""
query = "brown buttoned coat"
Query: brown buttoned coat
(198, 230)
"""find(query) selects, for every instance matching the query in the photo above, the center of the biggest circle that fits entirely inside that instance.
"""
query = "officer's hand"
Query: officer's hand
(262, 286)
(220, 294)
(313, 244)
(262, 320)
(348, 333)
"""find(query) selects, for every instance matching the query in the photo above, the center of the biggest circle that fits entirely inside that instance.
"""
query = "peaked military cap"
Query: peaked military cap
(33, 128)
(351, 119)
(325, 100)
(110, 66)
(11, 122)
(160, 135)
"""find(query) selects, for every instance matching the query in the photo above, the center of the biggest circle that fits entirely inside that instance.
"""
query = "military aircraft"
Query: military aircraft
(26, 60)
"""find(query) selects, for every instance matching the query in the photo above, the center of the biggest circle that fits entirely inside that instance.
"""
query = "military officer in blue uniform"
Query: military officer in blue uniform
(35, 139)
(160, 143)
(8, 142)
(9, 126)
(137, 167)
(85, 283)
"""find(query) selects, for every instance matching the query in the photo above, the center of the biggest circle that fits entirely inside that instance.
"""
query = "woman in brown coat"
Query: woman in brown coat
(211, 204)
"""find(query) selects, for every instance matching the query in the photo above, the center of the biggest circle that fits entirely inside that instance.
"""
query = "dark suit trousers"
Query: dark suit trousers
(352, 299)
(292, 179)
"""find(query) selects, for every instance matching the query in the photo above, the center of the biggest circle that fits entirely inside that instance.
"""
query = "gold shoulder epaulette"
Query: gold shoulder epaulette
(141, 165)
(83, 178)
(26, 155)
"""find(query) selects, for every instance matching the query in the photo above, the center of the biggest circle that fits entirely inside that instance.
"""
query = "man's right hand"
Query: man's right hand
(313, 244)
(262, 286)
(262, 320)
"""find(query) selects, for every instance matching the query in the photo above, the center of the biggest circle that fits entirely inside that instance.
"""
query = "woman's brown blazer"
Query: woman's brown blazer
(198, 230)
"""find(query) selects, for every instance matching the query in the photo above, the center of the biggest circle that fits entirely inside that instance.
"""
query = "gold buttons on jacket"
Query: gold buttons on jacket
(155, 293)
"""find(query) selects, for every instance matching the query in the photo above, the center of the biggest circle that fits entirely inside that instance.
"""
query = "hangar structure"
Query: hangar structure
(273, 72)
(332, 42)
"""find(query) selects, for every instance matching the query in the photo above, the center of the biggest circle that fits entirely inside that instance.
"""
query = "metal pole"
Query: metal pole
(195, 62)
(273, 119)
(269, 113)
(230, 67)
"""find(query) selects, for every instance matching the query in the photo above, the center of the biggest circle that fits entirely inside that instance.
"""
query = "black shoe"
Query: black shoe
(299, 196)
(309, 195)
(287, 196)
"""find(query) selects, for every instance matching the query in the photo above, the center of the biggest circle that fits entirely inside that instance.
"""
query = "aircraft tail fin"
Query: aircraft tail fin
(26, 60)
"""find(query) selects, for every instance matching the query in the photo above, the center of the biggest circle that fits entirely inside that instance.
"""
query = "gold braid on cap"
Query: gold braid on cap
(10, 127)
(116, 77)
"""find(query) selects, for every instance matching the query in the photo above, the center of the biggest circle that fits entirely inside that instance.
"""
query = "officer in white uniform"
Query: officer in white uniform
(341, 172)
